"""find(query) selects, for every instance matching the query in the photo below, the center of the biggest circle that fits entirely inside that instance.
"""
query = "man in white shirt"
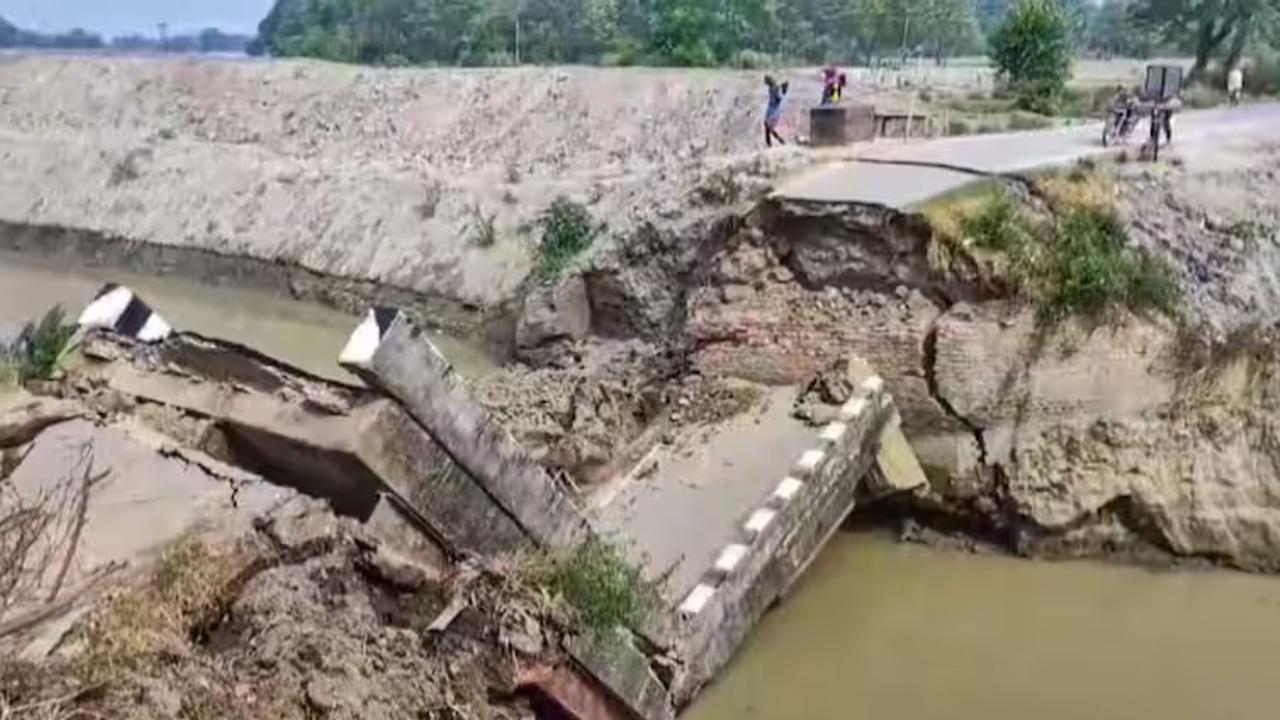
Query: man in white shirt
(1235, 84)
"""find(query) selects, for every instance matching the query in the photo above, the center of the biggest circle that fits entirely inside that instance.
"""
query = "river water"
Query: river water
(879, 630)
(306, 335)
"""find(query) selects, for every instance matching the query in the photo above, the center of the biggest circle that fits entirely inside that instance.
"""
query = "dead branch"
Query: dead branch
(87, 481)
(40, 533)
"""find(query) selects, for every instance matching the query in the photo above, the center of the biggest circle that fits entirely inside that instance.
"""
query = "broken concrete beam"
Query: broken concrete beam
(120, 310)
(428, 484)
(778, 540)
(346, 445)
(897, 469)
(392, 354)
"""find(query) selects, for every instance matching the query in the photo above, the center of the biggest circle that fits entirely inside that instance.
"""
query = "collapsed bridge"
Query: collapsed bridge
(415, 456)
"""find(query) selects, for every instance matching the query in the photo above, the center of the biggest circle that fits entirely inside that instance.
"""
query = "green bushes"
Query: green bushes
(39, 350)
(1032, 52)
(599, 585)
(567, 231)
(1078, 263)
(1090, 268)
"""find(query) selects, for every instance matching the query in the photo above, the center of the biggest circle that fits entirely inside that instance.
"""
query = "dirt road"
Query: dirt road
(900, 186)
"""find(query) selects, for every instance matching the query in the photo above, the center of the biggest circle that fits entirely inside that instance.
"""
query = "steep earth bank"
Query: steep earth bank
(1141, 435)
(422, 181)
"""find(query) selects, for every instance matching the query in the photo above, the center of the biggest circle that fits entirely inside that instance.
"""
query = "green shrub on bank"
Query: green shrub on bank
(39, 351)
(567, 231)
(999, 226)
(1090, 268)
(599, 585)
(1078, 263)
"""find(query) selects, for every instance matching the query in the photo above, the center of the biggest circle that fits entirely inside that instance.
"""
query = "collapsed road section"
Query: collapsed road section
(415, 458)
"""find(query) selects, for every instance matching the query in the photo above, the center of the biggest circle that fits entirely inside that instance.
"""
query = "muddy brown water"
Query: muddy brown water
(306, 335)
(883, 631)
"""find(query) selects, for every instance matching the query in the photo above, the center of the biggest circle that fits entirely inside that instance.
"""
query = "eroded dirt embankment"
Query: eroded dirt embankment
(1139, 435)
(420, 180)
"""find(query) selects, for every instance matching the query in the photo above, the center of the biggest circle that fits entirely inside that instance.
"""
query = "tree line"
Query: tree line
(744, 33)
(209, 40)
(622, 32)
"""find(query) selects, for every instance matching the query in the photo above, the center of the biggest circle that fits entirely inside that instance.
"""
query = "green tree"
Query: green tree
(946, 28)
(1113, 30)
(1032, 53)
(1204, 26)
(681, 29)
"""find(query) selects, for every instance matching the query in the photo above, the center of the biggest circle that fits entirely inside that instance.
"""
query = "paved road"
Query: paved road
(902, 186)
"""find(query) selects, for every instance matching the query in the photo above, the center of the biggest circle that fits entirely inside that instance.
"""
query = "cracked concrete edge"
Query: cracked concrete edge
(807, 467)
(778, 540)
(394, 355)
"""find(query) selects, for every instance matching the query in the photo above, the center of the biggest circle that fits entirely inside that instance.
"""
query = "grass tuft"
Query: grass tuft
(39, 351)
(481, 229)
(600, 586)
(186, 588)
(568, 230)
(1079, 262)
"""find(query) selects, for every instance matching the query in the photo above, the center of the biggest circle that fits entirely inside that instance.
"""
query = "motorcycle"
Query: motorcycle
(1119, 125)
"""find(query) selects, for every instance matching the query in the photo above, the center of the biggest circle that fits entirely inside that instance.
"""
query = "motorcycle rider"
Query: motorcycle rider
(1125, 105)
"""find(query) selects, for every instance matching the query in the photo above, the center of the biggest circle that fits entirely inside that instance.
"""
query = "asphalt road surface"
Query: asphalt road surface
(866, 180)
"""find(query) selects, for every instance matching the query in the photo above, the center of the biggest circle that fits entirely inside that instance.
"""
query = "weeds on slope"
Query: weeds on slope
(1077, 262)
(190, 586)
(568, 230)
(602, 589)
(39, 351)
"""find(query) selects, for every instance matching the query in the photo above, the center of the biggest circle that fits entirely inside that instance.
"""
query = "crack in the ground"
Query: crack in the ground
(931, 381)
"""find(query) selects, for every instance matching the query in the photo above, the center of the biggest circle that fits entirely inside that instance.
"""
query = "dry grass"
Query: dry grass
(1084, 187)
(953, 251)
(189, 588)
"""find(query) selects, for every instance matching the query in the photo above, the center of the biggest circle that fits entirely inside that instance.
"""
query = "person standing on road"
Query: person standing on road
(1235, 84)
(833, 82)
(1167, 109)
(773, 111)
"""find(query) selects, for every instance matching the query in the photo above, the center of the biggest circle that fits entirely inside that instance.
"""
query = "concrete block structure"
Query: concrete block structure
(393, 355)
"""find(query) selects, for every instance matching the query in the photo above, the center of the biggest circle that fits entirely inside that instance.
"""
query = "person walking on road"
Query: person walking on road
(1235, 84)
(773, 111)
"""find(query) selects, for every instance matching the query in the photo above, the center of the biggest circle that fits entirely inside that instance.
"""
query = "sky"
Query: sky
(122, 17)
